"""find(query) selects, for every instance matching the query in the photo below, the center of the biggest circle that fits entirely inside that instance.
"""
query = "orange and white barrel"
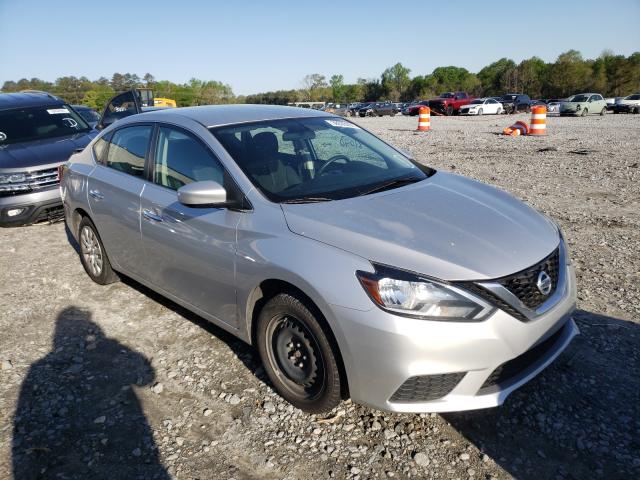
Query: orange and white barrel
(538, 120)
(424, 119)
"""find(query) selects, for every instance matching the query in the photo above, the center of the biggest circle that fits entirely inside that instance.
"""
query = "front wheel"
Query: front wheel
(584, 112)
(298, 355)
(603, 111)
(92, 254)
(480, 112)
(449, 110)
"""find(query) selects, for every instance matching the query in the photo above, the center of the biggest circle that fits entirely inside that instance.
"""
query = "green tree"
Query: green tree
(569, 74)
(311, 84)
(396, 81)
(491, 76)
(337, 88)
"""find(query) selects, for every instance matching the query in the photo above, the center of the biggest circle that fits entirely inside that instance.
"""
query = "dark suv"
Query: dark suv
(515, 102)
(38, 132)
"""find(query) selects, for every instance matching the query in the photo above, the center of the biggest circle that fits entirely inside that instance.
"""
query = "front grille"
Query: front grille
(494, 299)
(425, 388)
(514, 367)
(524, 284)
(34, 181)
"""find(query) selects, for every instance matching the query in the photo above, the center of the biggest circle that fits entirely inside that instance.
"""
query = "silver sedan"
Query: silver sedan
(354, 270)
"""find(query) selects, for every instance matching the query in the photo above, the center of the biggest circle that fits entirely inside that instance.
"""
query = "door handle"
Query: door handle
(96, 194)
(149, 215)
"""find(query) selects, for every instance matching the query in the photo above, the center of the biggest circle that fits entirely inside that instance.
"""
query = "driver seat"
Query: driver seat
(266, 167)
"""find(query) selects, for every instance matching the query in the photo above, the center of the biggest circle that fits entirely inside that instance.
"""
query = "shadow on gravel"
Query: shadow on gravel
(78, 416)
(579, 419)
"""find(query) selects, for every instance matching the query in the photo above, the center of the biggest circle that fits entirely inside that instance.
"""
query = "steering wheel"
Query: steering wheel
(333, 159)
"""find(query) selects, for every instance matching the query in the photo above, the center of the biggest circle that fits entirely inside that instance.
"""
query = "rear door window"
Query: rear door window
(128, 149)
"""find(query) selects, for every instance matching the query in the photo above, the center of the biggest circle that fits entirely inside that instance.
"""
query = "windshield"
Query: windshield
(478, 101)
(315, 159)
(446, 95)
(635, 96)
(579, 98)
(35, 123)
(88, 114)
(508, 98)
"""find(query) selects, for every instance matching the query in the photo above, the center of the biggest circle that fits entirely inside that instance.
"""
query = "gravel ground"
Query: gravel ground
(116, 382)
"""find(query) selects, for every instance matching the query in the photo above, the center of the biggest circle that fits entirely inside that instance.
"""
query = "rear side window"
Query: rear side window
(181, 159)
(128, 149)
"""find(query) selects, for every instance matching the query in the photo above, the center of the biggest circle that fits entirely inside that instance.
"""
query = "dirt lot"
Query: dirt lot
(115, 382)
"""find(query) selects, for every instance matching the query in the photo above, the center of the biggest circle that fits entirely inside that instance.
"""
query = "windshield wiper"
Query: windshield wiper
(398, 182)
(307, 200)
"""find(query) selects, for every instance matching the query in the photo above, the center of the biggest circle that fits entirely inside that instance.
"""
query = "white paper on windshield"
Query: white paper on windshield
(342, 124)
(55, 111)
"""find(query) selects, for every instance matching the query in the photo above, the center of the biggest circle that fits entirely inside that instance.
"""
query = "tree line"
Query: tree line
(609, 74)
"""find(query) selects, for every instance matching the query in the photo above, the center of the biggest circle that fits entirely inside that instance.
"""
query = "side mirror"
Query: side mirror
(202, 194)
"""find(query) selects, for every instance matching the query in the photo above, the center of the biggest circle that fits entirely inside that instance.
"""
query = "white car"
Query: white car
(553, 107)
(482, 106)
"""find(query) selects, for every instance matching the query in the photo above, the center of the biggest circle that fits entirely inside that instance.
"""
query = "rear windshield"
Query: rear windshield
(635, 96)
(35, 123)
(446, 95)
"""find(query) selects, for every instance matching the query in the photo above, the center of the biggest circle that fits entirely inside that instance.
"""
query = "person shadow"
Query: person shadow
(78, 415)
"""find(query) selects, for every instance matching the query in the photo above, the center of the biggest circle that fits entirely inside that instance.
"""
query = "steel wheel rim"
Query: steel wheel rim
(91, 251)
(295, 356)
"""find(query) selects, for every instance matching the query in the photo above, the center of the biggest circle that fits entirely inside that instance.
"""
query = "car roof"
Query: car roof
(217, 115)
(28, 99)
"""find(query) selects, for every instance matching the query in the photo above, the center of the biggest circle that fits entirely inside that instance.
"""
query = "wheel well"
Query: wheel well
(76, 218)
(272, 287)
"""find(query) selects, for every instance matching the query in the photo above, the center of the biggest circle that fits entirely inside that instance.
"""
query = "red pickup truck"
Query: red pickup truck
(449, 103)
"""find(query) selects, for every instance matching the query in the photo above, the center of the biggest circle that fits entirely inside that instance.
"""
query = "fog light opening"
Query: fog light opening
(14, 212)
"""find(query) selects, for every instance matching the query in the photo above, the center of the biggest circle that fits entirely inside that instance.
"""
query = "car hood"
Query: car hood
(42, 152)
(446, 226)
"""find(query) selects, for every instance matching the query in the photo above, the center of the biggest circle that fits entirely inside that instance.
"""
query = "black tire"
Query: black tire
(603, 111)
(449, 111)
(584, 112)
(93, 255)
(636, 110)
(288, 331)
(480, 111)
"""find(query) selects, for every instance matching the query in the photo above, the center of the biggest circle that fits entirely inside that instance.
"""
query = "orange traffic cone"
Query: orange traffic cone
(518, 128)
(538, 120)
(424, 119)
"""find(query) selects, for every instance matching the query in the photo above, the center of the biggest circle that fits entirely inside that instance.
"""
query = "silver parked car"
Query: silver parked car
(352, 269)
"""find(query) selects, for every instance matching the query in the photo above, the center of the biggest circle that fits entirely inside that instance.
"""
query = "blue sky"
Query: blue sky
(258, 46)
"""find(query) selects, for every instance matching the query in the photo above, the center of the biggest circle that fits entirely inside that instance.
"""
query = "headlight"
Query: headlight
(13, 178)
(408, 294)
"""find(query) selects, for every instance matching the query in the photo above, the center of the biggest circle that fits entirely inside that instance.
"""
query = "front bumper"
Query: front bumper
(382, 351)
(40, 205)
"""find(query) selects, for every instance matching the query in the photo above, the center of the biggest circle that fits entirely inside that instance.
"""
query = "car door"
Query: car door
(121, 106)
(189, 252)
(491, 105)
(114, 189)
